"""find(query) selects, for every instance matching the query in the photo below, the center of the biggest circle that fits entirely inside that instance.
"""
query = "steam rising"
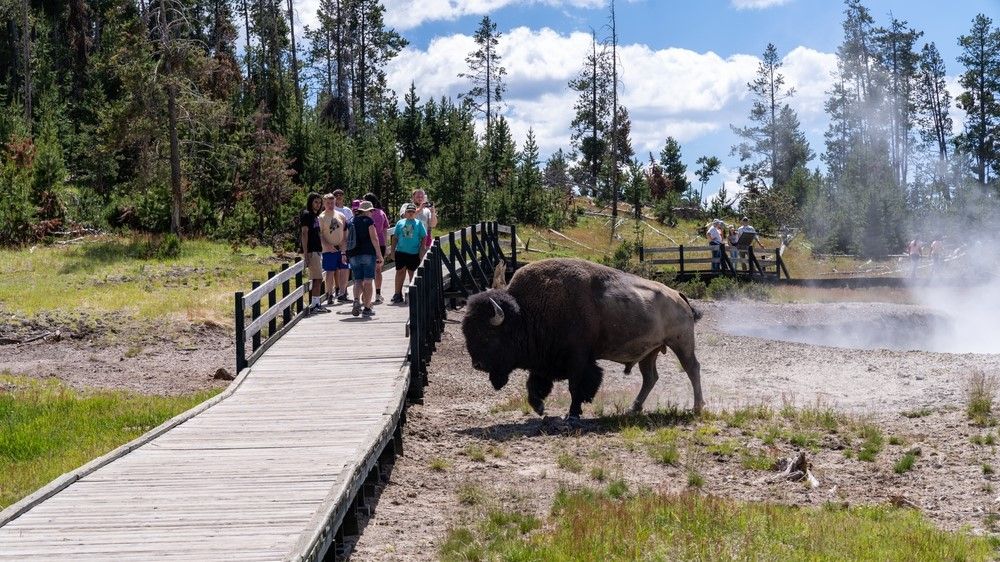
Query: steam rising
(956, 310)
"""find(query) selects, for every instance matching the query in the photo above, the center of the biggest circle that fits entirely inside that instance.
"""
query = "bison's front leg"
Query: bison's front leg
(539, 387)
(583, 384)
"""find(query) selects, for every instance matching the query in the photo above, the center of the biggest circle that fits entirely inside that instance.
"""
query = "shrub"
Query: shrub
(169, 247)
(622, 257)
(723, 288)
(980, 392)
(694, 288)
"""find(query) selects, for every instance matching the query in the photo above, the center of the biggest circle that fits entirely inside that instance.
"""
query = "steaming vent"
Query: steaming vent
(912, 331)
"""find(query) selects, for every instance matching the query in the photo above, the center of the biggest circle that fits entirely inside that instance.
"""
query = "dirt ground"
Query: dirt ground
(114, 353)
(469, 449)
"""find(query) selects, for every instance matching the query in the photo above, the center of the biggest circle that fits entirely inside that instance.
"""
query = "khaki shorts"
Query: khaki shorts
(315, 265)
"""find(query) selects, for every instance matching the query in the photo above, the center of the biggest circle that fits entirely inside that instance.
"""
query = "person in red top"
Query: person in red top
(381, 225)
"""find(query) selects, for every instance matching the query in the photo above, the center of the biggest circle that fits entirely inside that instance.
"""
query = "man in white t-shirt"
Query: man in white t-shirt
(342, 274)
(426, 214)
(714, 234)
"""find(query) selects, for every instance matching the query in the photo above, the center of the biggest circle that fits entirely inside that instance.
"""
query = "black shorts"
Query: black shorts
(407, 261)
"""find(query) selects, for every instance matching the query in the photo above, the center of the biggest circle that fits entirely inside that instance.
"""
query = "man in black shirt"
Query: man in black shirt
(312, 248)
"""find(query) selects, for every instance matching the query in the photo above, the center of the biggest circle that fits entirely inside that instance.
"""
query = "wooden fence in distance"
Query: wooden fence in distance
(698, 260)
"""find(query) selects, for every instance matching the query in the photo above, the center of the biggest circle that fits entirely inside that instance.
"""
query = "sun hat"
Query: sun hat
(365, 206)
(718, 221)
(409, 207)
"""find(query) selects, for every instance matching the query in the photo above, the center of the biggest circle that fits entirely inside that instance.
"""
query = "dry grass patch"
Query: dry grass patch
(980, 393)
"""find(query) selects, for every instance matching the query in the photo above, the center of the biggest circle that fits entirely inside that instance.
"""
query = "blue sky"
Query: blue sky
(685, 64)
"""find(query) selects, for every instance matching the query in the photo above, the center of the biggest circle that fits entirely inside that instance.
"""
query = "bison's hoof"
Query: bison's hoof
(537, 405)
(635, 409)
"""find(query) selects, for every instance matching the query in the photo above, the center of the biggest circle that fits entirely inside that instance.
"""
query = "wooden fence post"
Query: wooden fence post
(286, 315)
(241, 337)
(513, 246)
(680, 252)
(254, 314)
(415, 392)
(272, 326)
(298, 301)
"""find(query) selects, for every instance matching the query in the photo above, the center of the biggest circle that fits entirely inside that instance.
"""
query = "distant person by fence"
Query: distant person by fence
(714, 235)
(913, 249)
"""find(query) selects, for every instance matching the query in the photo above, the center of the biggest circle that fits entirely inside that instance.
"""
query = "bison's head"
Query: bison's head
(491, 321)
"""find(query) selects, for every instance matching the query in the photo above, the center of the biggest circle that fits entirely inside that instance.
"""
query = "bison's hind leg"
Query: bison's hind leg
(539, 387)
(647, 366)
(684, 350)
(628, 368)
(583, 385)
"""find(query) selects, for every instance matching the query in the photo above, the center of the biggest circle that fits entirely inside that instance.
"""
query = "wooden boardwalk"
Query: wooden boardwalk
(257, 473)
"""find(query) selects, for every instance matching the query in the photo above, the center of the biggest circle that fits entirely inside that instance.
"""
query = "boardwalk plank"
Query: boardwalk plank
(245, 478)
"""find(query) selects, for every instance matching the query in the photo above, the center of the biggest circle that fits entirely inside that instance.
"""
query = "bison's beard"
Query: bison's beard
(499, 380)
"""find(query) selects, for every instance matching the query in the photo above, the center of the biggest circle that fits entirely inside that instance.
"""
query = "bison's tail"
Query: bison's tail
(694, 311)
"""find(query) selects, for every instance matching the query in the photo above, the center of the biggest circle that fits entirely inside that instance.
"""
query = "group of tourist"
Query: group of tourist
(340, 242)
(935, 249)
(719, 234)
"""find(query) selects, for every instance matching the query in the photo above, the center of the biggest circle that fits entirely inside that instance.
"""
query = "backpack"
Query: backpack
(352, 236)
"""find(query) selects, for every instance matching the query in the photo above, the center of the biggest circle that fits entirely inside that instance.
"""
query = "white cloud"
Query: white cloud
(811, 73)
(407, 14)
(757, 4)
(669, 92)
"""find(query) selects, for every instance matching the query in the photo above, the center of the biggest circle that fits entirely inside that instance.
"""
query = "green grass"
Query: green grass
(983, 440)
(591, 526)
(439, 464)
(471, 494)
(568, 462)
(475, 453)
(918, 413)
(872, 442)
(905, 463)
(757, 461)
(111, 274)
(47, 429)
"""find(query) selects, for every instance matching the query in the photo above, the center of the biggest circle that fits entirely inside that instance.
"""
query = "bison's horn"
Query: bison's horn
(497, 313)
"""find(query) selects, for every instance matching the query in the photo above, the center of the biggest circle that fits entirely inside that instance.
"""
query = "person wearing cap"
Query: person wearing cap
(714, 234)
(381, 225)
(365, 258)
(407, 240)
(425, 214)
(342, 274)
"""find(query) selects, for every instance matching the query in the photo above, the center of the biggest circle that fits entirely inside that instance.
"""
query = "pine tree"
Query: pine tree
(529, 202)
(486, 74)
(591, 120)
(709, 167)
(932, 119)
(758, 149)
(674, 170)
(895, 52)
(981, 96)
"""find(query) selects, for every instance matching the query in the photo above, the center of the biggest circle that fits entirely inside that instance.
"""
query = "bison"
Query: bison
(559, 316)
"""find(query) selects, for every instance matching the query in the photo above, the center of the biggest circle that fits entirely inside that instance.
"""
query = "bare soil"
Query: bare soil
(116, 352)
(469, 449)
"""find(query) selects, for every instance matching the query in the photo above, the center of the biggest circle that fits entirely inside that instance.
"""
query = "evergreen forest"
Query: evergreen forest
(216, 118)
